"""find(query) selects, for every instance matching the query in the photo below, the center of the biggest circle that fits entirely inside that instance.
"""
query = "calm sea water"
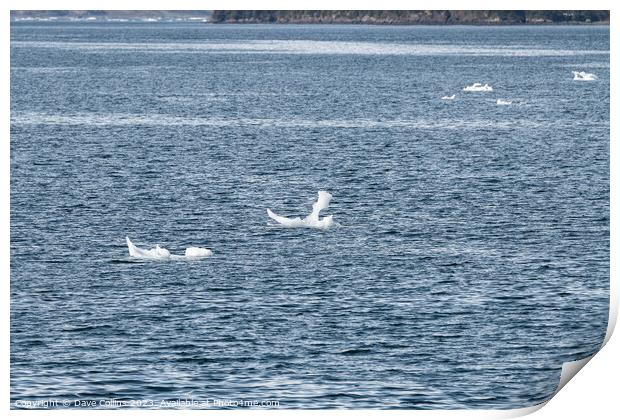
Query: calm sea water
(470, 252)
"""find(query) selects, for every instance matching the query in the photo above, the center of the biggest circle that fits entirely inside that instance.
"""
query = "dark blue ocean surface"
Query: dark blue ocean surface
(470, 252)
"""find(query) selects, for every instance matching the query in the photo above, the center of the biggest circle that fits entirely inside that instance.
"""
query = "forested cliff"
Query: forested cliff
(412, 17)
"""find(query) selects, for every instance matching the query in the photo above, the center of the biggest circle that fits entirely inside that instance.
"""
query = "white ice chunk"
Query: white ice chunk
(196, 252)
(156, 253)
(159, 253)
(583, 76)
(312, 220)
(478, 87)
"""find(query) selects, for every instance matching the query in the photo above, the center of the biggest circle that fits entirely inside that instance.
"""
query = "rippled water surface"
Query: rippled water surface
(470, 252)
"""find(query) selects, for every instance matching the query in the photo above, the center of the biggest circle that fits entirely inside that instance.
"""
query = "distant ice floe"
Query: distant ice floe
(159, 253)
(583, 76)
(478, 87)
(310, 221)
(448, 98)
(503, 102)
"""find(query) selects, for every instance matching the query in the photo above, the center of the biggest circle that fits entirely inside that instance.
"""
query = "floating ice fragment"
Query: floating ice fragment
(448, 98)
(196, 252)
(478, 87)
(312, 220)
(503, 102)
(583, 76)
(159, 253)
(156, 253)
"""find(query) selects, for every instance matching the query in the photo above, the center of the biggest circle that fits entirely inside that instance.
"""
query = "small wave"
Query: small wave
(356, 352)
(310, 221)
(478, 87)
(159, 253)
(583, 76)
(78, 328)
(448, 98)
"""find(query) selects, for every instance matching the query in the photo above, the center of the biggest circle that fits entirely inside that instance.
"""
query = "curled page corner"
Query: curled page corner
(569, 369)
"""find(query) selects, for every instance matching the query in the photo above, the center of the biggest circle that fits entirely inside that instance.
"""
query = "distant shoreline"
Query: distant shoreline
(413, 17)
(407, 24)
(437, 25)
(325, 17)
